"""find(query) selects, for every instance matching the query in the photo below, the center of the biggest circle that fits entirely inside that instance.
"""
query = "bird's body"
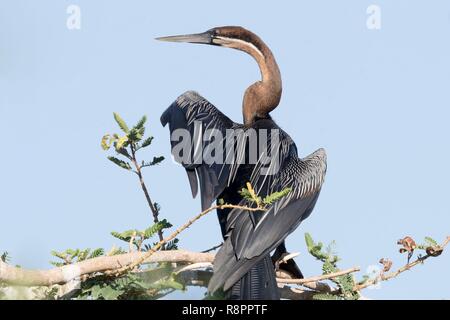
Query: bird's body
(261, 153)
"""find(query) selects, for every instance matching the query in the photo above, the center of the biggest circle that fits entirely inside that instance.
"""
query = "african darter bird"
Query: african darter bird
(243, 267)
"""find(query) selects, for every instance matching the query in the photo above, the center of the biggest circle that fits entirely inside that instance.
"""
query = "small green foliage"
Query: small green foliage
(135, 135)
(152, 230)
(155, 161)
(115, 251)
(121, 123)
(146, 143)
(316, 249)
(428, 243)
(329, 259)
(274, 197)
(96, 253)
(131, 286)
(129, 144)
(75, 255)
(139, 236)
(120, 163)
(125, 235)
(326, 296)
(250, 195)
(141, 123)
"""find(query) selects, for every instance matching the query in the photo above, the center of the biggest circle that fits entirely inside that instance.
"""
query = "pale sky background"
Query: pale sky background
(377, 100)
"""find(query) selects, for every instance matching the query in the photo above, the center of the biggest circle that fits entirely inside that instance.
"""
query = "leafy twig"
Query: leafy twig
(408, 266)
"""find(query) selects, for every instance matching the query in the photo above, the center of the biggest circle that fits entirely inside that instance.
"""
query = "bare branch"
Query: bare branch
(319, 278)
(19, 276)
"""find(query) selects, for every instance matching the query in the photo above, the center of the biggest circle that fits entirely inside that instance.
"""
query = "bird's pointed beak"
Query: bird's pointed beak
(203, 38)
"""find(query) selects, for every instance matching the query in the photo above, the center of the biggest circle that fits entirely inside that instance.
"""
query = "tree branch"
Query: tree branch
(408, 266)
(318, 278)
(19, 276)
(144, 188)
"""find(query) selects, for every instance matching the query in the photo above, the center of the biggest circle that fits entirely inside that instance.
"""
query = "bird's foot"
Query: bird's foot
(286, 264)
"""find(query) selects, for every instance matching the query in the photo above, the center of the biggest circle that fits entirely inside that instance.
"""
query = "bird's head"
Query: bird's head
(230, 36)
(262, 96)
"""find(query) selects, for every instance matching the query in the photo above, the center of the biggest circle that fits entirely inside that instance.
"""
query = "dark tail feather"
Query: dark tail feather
(257, 284)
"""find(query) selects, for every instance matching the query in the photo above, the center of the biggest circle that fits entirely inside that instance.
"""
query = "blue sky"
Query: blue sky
(377, 100)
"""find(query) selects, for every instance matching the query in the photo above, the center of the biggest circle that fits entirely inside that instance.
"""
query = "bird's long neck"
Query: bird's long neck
(263, 96)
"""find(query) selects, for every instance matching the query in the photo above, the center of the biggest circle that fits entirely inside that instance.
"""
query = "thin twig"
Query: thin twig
(385, 277)
(144, 188)
(161, 243)
(212, 249)
(319, 278)
(193, 266)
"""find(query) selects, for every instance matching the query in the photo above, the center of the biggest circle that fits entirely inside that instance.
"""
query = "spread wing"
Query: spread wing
(195, 119)
(248, 241)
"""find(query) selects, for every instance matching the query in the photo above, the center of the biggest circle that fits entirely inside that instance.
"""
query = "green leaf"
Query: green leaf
(115, 251)
(246, 194)
(57, 254)
(121, 123)
(165, 284)
(83, 254)
(109, 293)
(274, 197)
(135, 135)
(309, 241)
(152, 230)
(73, 253)
(326, 296)
(141, 122)
(315, 249)
(124, 152)
(97, 253)
(155, 161)
(126, 235)
(146, 142)
(250, 195)
(120, 163)
(431, 242)
(346, 285)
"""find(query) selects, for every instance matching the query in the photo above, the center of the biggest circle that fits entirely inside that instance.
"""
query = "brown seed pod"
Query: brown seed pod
(387, 264)
(434, 251)
(408, 244)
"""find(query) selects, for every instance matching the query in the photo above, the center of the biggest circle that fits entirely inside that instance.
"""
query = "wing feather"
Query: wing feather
(195, 114)
(247, 242)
